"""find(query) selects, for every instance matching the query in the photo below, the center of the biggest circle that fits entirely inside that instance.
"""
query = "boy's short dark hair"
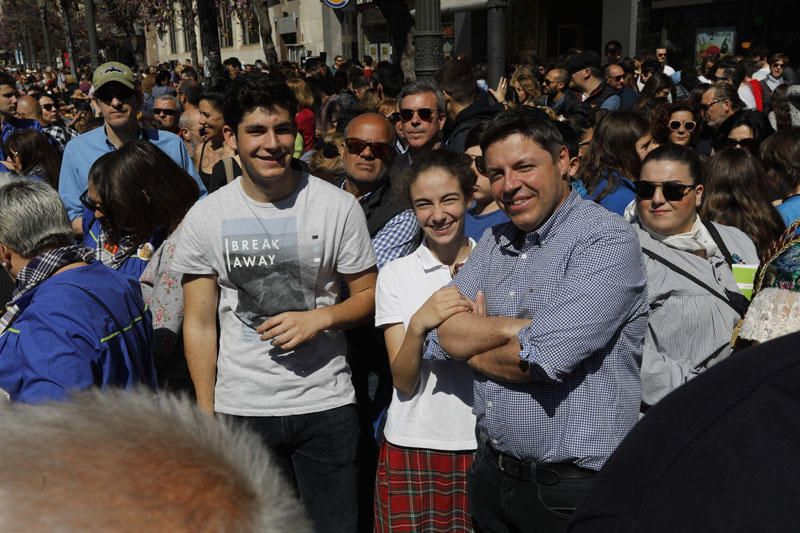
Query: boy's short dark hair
(255, 90)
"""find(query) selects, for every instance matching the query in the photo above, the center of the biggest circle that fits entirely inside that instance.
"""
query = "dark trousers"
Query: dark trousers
(318, 452)
(502, 503)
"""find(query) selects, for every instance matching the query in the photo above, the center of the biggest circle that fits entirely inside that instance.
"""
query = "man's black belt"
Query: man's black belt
(544, 473)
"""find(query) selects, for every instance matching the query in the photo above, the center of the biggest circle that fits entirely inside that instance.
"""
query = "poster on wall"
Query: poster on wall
(714, 41)
(386, 52)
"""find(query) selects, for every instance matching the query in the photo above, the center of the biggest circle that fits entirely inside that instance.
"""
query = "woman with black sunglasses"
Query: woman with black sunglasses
(694, 299)
(745, 129)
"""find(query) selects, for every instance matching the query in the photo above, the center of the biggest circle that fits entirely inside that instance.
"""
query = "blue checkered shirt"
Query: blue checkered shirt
(398, 238)
(579, 278)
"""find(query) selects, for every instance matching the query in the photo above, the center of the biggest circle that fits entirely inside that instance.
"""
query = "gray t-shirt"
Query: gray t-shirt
(268, 259)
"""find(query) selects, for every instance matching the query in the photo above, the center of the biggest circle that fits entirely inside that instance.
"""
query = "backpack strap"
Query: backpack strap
(712, 229)
(736, 305)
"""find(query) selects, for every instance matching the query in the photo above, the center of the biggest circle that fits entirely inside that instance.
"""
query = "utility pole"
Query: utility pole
(48, 57)
(91, 32)
(496, 40)
(63, 7)
(428, 39)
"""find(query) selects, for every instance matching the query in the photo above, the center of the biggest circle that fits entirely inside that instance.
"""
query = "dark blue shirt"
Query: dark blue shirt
(580, 280)
(475, 225)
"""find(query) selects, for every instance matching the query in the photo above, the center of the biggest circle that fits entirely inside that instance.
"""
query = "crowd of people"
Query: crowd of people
(441, 306)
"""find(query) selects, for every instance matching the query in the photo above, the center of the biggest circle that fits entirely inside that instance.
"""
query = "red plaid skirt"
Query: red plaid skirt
(420, 490)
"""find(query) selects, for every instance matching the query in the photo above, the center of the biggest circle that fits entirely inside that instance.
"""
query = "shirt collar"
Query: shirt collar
(515, 239)
(143, 135)
(429, 261)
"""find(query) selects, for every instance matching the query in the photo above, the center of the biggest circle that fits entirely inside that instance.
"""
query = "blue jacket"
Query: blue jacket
(82, 151)
(11, 125)
(85, 327)
(618, 199)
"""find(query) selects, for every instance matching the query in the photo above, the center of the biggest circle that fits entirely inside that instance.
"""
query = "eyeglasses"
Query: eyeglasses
(747, 144)
(688, 125)
(672, 191)
(107, 94)
(706, 107)
(479, 161)
(88, 203)
(49, 107)
(662, 55)
(378, 149)
(778, 65)
(394, 118)
(425, 114)
(162, 111)
(617, 78)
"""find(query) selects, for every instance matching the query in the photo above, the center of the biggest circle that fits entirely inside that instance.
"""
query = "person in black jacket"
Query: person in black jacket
(466, 107)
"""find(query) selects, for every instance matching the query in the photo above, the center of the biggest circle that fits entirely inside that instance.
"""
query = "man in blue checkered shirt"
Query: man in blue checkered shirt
(556, 336)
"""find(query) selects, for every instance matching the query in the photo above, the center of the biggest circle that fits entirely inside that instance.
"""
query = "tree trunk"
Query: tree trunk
(209, 41)
(91, 33)
(48, 59)
(63, 9)
(400, 22)
(261, 7)
(188, 27)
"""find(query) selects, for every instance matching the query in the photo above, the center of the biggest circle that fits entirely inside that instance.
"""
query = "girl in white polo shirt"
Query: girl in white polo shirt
(429, 442)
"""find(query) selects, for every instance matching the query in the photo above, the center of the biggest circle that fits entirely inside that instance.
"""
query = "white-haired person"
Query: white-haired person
(131, 461)
(72, 323)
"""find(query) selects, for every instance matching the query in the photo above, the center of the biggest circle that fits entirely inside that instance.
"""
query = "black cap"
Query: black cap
(585, 59)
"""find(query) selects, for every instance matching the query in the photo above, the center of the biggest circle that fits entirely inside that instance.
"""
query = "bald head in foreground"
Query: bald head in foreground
(118, 461)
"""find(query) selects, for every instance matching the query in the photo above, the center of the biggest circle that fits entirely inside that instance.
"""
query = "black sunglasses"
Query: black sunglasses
(49, 107)
(88, 203)
(425, 114)
(617, 78)
(778, 65)
(394, 118)
(672, 190)
(688, 125)
(162, 111)
(378, 149)
(106, 95)
(747, 144)
(480, 162)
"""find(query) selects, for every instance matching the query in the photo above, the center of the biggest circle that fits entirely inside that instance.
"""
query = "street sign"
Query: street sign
(336, 4)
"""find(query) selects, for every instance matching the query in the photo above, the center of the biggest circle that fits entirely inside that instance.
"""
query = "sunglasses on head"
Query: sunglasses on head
(378, 149)
(688, 125)
(425, 114)
(672, 191)
(747, 144)
(162, 111)
(106, 95)
(88, 203)
(49, 107)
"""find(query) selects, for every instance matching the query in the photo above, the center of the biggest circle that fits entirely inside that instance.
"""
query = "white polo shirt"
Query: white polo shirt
(438, 416)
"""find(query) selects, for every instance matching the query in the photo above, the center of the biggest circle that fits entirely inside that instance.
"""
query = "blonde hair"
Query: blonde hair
(302, 92)
(387, 106)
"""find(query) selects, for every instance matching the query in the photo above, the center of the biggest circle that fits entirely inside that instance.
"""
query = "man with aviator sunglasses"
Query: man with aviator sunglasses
(422, 112)
(118, 99)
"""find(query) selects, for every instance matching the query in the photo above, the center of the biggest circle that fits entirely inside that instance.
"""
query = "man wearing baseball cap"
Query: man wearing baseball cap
(587, 78)
(118, 98)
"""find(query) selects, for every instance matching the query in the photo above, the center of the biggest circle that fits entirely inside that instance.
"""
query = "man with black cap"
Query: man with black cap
(119, 99)
(587, 78)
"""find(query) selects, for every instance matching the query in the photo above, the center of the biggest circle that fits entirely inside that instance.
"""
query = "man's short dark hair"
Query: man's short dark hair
(530, 123)
(7, 79)
(457, 78)
(615, 46)
(651, 66)
(191, 90)
(390, 77)
(162, 76)
(255, 90)
(233, 61)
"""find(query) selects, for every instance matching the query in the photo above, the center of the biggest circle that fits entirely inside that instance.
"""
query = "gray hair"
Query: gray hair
(421, 87)
(171, 98)
(32, 218)
(186, 121)
(106, 459)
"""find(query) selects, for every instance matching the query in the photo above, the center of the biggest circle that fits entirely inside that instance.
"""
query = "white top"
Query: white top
(438, 415)
(668, 70)
(746, 96)
(270, 258)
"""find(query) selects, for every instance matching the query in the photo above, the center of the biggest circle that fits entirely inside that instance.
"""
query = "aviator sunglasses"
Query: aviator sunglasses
(688, 125)
(425, 114)
(378, 149)
(671, 190)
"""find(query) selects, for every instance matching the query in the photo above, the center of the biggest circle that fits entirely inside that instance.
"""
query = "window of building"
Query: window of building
(225, 28)
(187, 27)
(250, 28)
(173, 40)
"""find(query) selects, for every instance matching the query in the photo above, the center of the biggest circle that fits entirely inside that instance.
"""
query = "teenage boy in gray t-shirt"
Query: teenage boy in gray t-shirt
(267, 253)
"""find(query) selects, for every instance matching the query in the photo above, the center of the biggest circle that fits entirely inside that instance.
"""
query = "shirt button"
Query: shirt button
(524, 256)
(489, 404)
(494, 441)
